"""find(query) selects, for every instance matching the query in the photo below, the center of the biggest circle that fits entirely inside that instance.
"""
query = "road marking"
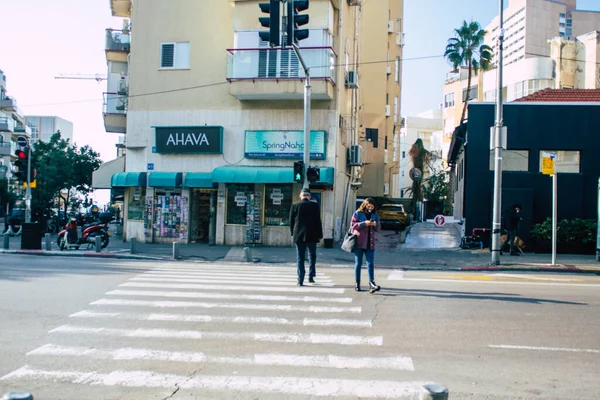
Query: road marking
(268, 288)
(309, 386)
(222, 319)
(293, 360)
(247, 271)
(222, 296)
(535, 278)
(225, 267)
(215, 274)
(244, 306)
(276, 337)
(506, 346)
(245, 281)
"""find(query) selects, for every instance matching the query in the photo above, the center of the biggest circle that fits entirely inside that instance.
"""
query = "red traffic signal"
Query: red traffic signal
(21, 155)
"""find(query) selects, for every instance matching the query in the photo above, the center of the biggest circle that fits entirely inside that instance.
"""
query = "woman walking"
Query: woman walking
(365, 223)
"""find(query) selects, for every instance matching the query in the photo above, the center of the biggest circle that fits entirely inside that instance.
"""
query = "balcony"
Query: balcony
(115, 112)
(22, 130)
(5, 149)
(276, 74)
(118, 44)
(7, 124)
(8, 104)
(120, 8)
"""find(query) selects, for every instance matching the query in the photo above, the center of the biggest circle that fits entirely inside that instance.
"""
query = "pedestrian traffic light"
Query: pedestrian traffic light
(313, 174)
(272, 22)
(294, 20)
(299, 171)
(20, 165)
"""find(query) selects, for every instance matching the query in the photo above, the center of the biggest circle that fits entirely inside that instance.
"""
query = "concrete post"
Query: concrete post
(175, 250)
(98, 244)
(6, 241)
(132, 245)
(17, 396)
(247, 254)
(434, 392)
(47, 242)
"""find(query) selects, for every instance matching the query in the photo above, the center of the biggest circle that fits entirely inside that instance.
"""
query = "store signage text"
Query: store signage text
(189, 140)
(283, 144)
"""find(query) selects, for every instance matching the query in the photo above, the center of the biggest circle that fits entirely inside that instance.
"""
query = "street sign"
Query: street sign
(439, 220)
(548, 164)
(150, 166)
(22, 141)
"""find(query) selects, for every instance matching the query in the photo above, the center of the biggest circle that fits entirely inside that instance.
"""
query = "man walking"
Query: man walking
(512, 226)
(307, 231)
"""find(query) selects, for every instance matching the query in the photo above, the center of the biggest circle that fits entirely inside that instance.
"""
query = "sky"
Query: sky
(43, 39)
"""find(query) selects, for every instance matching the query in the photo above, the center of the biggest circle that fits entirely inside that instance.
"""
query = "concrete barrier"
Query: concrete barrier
(247, 254)
(175, 250)
(47, 242)
(132, 245)
(434, 392)
(6, 241)
(98, 244)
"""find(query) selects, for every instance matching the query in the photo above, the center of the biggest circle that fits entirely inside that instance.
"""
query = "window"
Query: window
(449, 100)
(175, 55)
(278, 201)
(403, 156)
(569, 32)
(472, 94)
(512, 160)
(237, 199)
(397, 77)
(565, 161)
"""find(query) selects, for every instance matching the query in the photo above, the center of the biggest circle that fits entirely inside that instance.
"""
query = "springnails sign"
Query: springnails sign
(283, 144)
(189, 139)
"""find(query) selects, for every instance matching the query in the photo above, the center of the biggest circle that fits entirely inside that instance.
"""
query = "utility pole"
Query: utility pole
(499, 134)
(28, 192)
(305, 184)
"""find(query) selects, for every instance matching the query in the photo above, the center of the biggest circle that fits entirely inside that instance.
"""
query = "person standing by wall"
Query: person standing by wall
(365, 223)
(307, 231)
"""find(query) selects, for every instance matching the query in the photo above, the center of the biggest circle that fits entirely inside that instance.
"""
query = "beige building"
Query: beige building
(12, 126)
(213, 117)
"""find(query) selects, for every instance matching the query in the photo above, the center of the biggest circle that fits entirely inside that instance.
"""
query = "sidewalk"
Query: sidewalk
(419, 252)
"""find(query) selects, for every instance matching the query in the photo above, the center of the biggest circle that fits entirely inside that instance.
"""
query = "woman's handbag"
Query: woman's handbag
(349, 242)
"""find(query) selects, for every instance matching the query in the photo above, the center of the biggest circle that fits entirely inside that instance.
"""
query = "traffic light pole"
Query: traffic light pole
(306, 115)
(28, 193)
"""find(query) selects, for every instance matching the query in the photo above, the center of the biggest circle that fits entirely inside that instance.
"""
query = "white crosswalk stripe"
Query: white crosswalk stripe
(269, 343)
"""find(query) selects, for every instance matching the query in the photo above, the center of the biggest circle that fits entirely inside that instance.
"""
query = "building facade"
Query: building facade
(213, 117)
(43, 127)
(12, 126)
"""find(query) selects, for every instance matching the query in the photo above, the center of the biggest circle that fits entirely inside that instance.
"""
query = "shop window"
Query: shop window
(512, 160)
(278, 201)
(171, 217)
(564, 161)
(237, 201)
(135, 208)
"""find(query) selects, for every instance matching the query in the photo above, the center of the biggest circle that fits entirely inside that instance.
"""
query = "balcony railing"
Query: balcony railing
(118, 40)
(114, 103)
(266, 63)
(7, 124)
(5, 148)
(8, 103)
(20, 128)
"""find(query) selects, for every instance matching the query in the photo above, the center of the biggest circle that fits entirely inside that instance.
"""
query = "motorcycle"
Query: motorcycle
(88, 236)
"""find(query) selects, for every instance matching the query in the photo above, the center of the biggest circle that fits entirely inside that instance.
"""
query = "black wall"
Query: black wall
(533, 127)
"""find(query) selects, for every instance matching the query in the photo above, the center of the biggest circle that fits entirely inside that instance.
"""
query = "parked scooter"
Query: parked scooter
(68, 238)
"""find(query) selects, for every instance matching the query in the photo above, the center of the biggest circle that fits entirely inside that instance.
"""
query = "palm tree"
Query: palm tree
(466, 48)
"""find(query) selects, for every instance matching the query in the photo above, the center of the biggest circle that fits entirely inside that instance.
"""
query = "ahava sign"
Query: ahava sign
(189, 140)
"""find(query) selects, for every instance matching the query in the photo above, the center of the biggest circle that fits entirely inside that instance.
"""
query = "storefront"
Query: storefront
(203, 198)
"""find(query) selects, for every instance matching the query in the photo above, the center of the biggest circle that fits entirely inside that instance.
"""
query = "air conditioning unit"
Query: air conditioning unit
(400, 39)
(390, 26)
(388, 69)
(351, 80)
(355, 156)
(388, 110)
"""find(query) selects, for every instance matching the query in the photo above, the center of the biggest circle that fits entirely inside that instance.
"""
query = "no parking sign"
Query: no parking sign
(439, 220)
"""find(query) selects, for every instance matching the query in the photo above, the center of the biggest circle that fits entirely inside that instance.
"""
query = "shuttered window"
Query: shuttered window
(175, 55)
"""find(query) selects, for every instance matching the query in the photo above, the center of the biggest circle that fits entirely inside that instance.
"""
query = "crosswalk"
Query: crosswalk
(219, 332)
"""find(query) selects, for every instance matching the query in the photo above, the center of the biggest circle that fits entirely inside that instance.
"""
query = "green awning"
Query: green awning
(128, 179)
(232, 174)
(165, 179)
(198, 180)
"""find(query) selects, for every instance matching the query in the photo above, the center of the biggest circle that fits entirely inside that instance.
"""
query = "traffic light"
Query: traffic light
(272, 22)
(313, 174)
(294, 20)
(299, 171)
(20, 165)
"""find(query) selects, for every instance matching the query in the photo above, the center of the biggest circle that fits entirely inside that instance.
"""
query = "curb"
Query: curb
(83, 254)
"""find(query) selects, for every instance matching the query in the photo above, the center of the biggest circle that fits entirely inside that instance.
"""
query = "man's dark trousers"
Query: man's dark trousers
(301, 256)
(511, 234)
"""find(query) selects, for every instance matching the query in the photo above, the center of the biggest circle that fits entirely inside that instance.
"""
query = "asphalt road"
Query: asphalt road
(97, 329)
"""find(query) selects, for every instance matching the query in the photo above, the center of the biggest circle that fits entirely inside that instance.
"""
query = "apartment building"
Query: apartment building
(12, 125)
(213, 117)
(43, 127)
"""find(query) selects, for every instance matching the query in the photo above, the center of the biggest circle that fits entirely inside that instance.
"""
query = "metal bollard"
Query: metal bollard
(247, 254)
(17, 396)
(6, 241)
(175, 250)
(98, 244)
(434, 392)
(132, 245)
(47, 242)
